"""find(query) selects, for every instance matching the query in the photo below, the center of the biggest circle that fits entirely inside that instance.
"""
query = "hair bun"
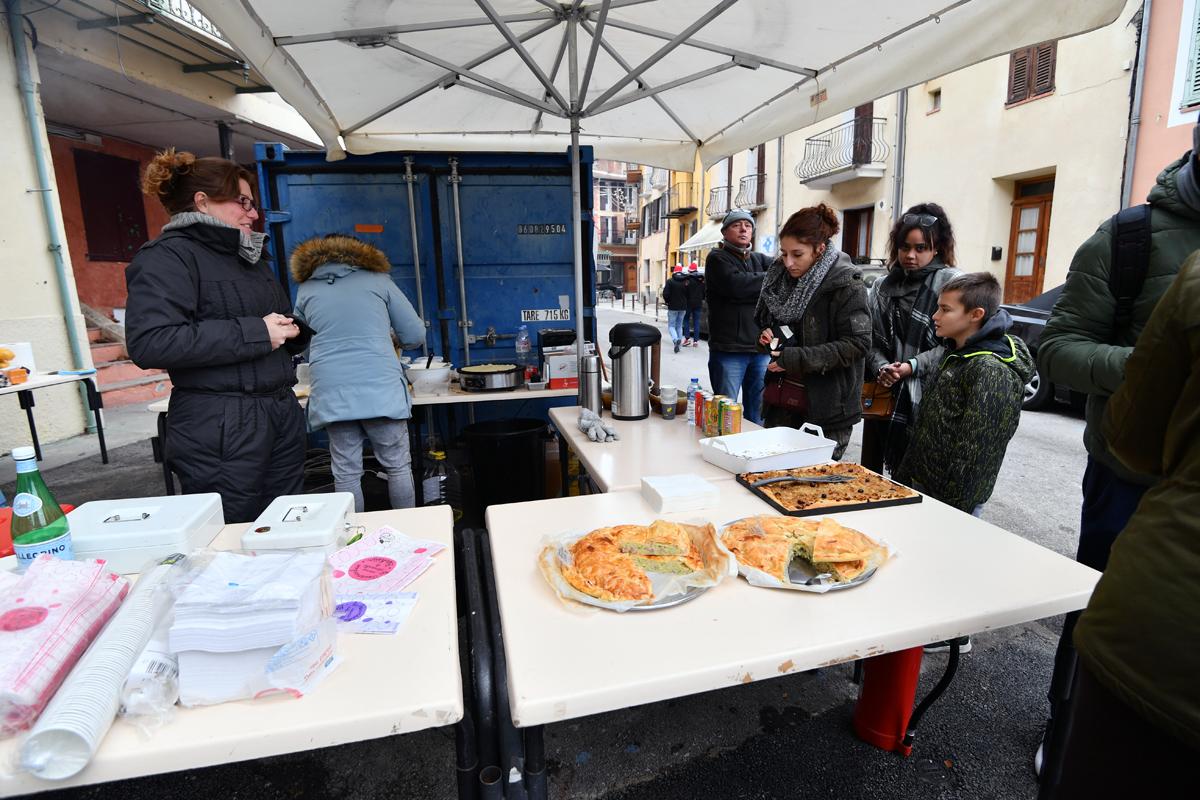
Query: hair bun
(830, 218)
(163, 169)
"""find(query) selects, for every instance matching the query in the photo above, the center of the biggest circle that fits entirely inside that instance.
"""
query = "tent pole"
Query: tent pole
(576, 202)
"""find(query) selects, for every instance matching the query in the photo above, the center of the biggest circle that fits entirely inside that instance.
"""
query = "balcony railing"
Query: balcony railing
(618, 237)
(751, 192)
(718, 202)
(854, 144)
(185, 13)
(681, 199)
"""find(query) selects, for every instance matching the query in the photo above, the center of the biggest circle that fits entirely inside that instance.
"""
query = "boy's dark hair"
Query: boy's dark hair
(977, 290)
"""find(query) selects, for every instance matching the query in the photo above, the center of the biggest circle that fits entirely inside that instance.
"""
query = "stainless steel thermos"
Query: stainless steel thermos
(630, 354)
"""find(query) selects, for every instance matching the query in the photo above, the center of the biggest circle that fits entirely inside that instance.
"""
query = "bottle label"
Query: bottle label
(59, 548)
(431, 488)
(29, 465)
(25, 504)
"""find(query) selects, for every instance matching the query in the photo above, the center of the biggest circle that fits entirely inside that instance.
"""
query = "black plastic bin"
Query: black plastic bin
(508, 460)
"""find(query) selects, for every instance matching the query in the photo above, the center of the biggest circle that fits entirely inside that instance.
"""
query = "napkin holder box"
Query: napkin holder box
(130, 534)
(668, 494)
(303, 522)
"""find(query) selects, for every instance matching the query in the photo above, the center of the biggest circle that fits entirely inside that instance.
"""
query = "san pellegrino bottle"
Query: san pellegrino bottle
(38, 523)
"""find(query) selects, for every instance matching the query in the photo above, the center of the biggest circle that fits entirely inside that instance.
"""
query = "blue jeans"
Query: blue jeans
(691, 324)
(675, 325)
(744, 372)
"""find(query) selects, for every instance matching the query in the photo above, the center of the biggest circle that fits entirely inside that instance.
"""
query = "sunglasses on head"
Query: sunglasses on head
(924, 220)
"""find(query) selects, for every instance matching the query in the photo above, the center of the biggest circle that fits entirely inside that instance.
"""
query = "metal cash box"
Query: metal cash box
(301, 522)
(130, 533)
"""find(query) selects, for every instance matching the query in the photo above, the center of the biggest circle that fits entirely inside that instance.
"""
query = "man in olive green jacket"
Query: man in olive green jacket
(1136, 710)
(1083, 348)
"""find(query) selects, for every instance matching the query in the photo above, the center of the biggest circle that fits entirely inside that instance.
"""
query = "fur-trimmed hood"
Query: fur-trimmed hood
(345, 250)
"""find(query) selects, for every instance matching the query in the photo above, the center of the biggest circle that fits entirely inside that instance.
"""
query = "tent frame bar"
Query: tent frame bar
(384, 31)
(662, 52)
(434, 84)
(524, 55)
(643, 93)
(601, 20)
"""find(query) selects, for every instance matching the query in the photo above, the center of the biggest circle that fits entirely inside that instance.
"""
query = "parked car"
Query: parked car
(606, 290)
(1029, 320)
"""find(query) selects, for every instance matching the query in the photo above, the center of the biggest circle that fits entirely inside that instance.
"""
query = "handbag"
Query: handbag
(878, 402)
(783, 392)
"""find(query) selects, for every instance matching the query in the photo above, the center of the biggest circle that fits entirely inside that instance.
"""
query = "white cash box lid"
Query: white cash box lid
(103, 526)
(300, 520)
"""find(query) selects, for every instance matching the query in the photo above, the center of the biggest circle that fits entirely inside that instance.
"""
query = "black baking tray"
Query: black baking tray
(809, 512)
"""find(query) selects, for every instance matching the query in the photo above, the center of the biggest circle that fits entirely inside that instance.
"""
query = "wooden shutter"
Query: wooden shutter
(114, 217)
(1042, 73)
(1191, 89)
(1018, 76)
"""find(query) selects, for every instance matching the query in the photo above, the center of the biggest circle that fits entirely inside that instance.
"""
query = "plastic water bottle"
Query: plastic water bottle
(440, 484)
(692, 389)
(524, 348)
(38, 522)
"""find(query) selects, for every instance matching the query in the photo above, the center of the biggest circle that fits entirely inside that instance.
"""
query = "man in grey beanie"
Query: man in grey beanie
(733, 274)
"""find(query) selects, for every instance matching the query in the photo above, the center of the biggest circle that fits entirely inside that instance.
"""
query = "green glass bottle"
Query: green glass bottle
(38, 523)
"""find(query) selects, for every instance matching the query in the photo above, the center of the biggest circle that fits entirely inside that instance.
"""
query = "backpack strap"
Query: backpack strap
(1130, 260)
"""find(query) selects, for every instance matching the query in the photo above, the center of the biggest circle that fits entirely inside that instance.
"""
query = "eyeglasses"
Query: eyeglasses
(920, 247)
(924, 220)
(247, 203)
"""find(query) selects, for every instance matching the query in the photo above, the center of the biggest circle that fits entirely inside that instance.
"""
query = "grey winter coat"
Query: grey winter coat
(348, 298)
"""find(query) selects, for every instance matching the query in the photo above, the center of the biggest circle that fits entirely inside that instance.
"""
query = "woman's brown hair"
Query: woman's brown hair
(174, 178)
(813, 225)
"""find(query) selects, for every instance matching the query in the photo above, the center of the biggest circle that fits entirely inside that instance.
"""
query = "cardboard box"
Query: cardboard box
(561, 367)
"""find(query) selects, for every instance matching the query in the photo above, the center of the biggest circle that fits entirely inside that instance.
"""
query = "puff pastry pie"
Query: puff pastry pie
(613, 563)
(770, 543)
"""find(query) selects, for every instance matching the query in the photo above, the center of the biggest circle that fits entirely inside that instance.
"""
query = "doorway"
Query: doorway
(856, 233)
(1027, 240)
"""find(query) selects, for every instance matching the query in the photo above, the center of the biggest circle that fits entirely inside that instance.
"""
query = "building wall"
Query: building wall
(101, 284)
(1165, 132)
(30, 310)
(969, 155)
(858, 193)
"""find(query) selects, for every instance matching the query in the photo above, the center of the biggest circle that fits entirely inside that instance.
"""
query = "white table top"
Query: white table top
(385, 685)
(42, 379)
(455, 395)
(955, 575)
(652, 446)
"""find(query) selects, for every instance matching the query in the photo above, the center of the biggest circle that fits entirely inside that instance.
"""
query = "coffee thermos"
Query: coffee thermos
(630, 354)
(589, 385)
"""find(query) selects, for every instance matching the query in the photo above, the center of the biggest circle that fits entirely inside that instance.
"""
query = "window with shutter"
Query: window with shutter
(1031, 72)
(1191, 86)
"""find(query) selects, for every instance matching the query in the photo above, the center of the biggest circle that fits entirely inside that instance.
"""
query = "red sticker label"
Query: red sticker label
(369, 569)
(18, 619)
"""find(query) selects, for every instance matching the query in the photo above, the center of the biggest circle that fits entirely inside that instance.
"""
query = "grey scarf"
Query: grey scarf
(250, 244)
(744, 252)
(787, 298)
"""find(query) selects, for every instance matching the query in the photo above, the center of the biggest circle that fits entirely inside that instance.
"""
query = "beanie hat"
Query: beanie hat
(692, 267)
(677, 268)
(736, 215)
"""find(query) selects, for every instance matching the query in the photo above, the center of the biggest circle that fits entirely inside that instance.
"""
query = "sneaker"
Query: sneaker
(676, 347)
(687, 342)
(964, 646)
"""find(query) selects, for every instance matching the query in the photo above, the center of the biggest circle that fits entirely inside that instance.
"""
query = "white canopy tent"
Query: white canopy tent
(647, 81)
(705, 238)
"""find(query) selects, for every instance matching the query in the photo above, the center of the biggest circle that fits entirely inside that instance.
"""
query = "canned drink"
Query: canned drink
(712, 415)
(731, 421)
(702, 403)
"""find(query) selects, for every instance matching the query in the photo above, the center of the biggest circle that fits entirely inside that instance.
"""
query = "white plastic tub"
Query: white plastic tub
(769, 448)
(434, 380)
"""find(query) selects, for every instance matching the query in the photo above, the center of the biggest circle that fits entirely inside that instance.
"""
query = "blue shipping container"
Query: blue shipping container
(515, 231)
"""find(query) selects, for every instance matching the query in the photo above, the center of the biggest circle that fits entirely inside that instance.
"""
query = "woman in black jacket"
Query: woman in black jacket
(814, 302)
(204, 305)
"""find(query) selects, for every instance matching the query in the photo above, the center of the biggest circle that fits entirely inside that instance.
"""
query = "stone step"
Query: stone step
(145, 390)
(104, 352)
(95, 334)
(118, 371)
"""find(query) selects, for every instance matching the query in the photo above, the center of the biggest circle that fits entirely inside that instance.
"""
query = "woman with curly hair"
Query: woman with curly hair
(204, 305)
(905, 349)
(813, 315)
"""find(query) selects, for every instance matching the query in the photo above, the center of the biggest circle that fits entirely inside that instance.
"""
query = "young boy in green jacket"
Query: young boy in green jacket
(971, 409)
(973, 404)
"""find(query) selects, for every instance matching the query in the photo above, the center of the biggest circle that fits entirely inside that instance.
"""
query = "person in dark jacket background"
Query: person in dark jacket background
(204, 305)
(814, 291)
(695, 303)
(733, 274)
(674, 291)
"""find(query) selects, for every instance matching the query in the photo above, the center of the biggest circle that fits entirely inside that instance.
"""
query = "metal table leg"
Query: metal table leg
(96, 402)
(481, 685)
(564, 454)
(512, 749)
(951, 668)
(535, 763)
(415, 459)
(25, 398)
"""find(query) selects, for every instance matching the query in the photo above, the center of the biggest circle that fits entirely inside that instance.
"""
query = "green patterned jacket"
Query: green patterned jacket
(968, 415)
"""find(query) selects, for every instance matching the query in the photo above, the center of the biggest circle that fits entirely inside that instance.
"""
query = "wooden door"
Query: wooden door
(856, 233)
(1027, 240)
(864, 117)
